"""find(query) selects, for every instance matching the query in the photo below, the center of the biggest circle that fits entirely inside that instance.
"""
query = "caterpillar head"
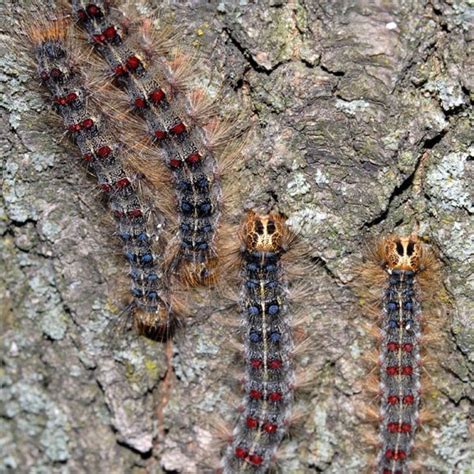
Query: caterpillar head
(264, 233)
(403, 253)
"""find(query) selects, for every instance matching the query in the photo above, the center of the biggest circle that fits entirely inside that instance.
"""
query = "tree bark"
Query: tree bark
(361, 117)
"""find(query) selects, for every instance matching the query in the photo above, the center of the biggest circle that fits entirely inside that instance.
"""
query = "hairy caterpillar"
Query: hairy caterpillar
(152, 312)
(401, 280)
(178, 122)
(268, 345)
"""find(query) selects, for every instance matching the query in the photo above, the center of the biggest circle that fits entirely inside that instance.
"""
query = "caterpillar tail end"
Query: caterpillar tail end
(158, 326)
(200, 273)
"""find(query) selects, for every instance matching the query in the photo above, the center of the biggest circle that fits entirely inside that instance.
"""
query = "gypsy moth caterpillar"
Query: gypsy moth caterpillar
(268, 345)
(178, 120)
(54, 56)
(401, 282)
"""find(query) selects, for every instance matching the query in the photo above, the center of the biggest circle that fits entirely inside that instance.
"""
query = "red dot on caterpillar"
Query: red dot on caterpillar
(392, 400)
(60, 100)
(87, 123)
(255, 394)
(275, 364)
(275, 396)
(140, 103)
(133, 63)
(408, 399)
(120, 70)
(135, 213)
(93, 10)
(88, 157)
(82, 15)
(395, 455)
(240, 453)
(392, 346)
(99, 38)
(160, 134)
(399, 427)
(106, 187)
(392, 370)
(256, 363)
(270, 427)
(104, 151)
(399, 455)
(193, 159)
(407, 370)
(255, 459)
(393, 427)
(55, 73)
(121, 183)
(157, 96)
(175, 163)
(71, 97)
(110, 32)
(251, 422)
(178, 129)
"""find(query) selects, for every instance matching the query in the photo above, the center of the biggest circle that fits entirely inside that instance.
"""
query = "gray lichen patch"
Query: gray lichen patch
(456, 454)
(352, 107)
(323, 442)
(449, 182)
(40, 416)
(54, 439)
(449, 93)
(54, 324)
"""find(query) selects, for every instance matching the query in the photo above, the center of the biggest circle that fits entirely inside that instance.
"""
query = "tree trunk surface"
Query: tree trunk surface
(360, 114)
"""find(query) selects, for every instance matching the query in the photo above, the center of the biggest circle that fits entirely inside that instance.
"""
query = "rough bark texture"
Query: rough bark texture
(361, 111)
